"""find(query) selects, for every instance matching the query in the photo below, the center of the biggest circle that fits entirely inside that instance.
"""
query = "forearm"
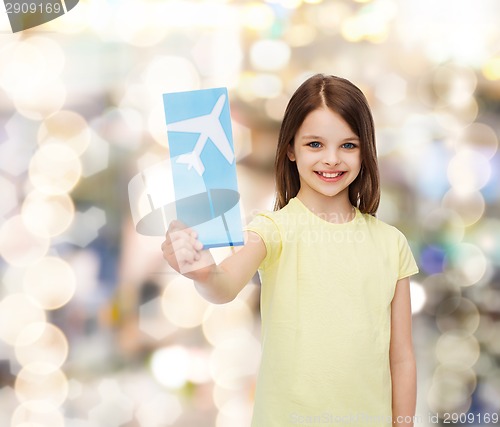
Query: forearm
(404, 391)
(216, 285)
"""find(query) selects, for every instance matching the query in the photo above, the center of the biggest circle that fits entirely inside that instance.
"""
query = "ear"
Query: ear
(290, 152)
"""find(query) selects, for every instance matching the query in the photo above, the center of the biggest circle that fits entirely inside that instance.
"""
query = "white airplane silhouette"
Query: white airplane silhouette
(208, 126)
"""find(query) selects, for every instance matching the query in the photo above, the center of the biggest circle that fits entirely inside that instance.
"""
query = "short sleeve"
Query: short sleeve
(407, 264)
(269, 232)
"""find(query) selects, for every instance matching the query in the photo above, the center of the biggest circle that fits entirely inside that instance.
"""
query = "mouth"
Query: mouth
(330, 175)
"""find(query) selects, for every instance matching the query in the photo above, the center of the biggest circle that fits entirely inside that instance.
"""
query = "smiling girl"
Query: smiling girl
(335, 299)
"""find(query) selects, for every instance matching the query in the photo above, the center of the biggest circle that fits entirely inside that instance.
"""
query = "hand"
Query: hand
(184, 252)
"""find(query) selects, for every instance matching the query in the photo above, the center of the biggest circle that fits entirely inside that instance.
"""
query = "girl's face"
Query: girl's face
(327, 154)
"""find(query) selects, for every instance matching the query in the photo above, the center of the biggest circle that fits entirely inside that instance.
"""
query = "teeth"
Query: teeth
(330, 175)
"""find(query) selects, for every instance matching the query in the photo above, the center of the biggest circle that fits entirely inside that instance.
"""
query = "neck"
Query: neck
(334, 209)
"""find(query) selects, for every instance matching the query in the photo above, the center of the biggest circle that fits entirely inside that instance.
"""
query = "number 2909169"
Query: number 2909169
(41, 8)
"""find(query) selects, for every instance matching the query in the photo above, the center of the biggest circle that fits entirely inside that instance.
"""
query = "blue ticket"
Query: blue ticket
(204, 165)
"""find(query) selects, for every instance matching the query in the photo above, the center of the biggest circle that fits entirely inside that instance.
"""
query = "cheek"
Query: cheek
(357, 163)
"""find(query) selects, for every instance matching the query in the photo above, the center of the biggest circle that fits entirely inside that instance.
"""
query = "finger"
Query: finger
(184, 246)
(176, 225)
(185, 255)
(196, 244)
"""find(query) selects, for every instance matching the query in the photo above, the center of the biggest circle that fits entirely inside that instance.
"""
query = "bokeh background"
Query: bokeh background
(97, 331)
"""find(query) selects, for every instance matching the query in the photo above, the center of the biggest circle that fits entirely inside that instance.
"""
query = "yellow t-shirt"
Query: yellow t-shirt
(326, 311)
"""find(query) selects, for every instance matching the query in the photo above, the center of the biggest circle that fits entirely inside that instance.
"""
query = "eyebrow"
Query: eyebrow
(350, 138)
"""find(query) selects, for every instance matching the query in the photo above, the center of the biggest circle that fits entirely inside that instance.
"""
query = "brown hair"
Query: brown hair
(345, 99)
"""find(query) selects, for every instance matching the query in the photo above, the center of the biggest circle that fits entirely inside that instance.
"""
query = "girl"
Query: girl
(335, 300)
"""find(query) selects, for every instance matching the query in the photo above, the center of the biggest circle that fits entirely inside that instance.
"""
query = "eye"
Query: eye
(314, 144)
(349, 145)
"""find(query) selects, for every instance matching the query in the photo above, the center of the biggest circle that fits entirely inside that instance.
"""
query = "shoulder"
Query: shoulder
(271, 227)
(388, 231)
(275, 218)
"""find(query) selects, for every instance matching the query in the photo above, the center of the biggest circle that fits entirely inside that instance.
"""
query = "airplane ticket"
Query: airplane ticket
(203, 165)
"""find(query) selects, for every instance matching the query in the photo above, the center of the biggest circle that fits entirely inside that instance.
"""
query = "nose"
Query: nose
(332, 158)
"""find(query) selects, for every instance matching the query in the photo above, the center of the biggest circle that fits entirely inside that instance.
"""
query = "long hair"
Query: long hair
(345, 99)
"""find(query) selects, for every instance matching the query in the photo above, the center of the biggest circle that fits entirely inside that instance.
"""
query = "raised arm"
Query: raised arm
(216, 283)
(402, 359)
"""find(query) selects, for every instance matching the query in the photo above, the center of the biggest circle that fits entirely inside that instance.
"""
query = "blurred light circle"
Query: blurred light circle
(156, 124)
(199, 369)
(32, 414)
(370, 23)
(275, 107)
(222, 395)
(464, 375)
(67, 128)
(122, 127)
(300, 35)
(235, 412)
(457, 349)
(488, 389)
(222, 322)
(485, 364)
(170, 366)
(18, 245)
(468, 171)
(449, 396)
(492, 343)
(41, 384)
(244, 88)
(432, 259)
(451, 390)
(457, 314)
(269, 55)
(53, 54)
(327, 17)
(41, 102)
(486, 323)
(170, 74)
(266, 86)
(391, 89)
(17, 72)
(17, 311)
(140, 23)
(182, 304)
(449, 122)
(418, 297)
(257, 16)
(162, 409)
(454, 85)
(235, 359)
(352, 29)
(30, 424)
(55, 169)
(389, 209)
(481, 138)
(464, 115)
(438, 288)
(442, 226)
(491, 68)
(51, 282)
(41, 342)
(9, 196)
(488, 331)
(484, 235)
(288, 4)
(418, 151)
(469, 205)
(466, 264)
(47, 215)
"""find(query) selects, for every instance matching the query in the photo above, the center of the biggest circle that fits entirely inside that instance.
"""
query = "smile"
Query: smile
(329, 175)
